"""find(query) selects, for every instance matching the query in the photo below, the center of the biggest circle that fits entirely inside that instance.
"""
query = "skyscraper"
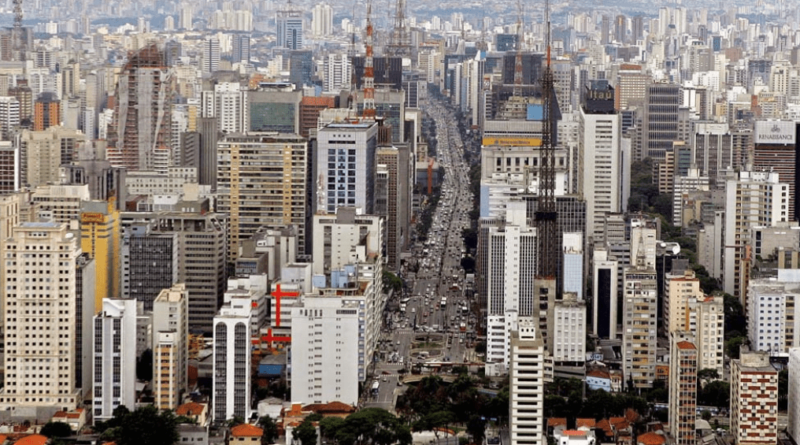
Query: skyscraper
(620, 29)
(9, 116)
(241, 48)
(683, 362)
(231, 360)
(754, 398)
(46, 111)
(100, 238)
(170, 343)
(526, 392)
(322, 20)
(114, 353)
(661, 119)
(211, 55)
(53, 355)
(290, 27)
(139, 136)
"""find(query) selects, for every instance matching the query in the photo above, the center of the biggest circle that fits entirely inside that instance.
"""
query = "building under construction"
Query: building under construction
(139, 136)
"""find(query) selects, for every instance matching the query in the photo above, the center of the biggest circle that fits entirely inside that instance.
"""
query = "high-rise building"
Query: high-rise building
(46, 111)
(211, 55)
(241, 48)
(678, 290)
(754, 399)
(605, 30)
(255, 199)
(526, 380)
(209, 135)
(45, 151)
(53, 355)
(770, 314)
(661, 119)
(620, 29)
(84, 328)
(149, 262)
(24, 95)
(231, 360)
(605, 283)
(322, 20)
(707, 323)
(568, 344)
(631, 87)
(310, 109)
(301, 67)
(325, 343)
(683, 362)
(170, 346)
(713, 149)
(511, 266)
(139, 136)
(337, 72)
(345, 166)
(793, 427)
(393, 171)
(226, 103)
(9, 116)
(274, 107)
(114, 356)
(600, 164)
(639, 308)
(752, 199)
(289, 28)
(776, 150)
(100, 238)
(11, 172)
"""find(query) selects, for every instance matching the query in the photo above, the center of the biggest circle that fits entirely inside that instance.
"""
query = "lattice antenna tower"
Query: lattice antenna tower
(518, 59)
(546, 214)
(351, 55)
(369, 71)
(400, 41)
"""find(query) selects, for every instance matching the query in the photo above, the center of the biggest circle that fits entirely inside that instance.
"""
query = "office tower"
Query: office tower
(274, 107)
(713, 149)
(209, 135)
(211, 55)
(322, 20)
(100, 238)
(776, 150)
(601, 160)
(84, 328)
(170, 344)
(231, 360)
(301, 68)
(683, 362)
(60, 203)
(505, 42)
(526, 377)
(45, 151)
(754, 399)
(310, 109)
(637, 28)
(241, 48)
(511, 267)
(149, 263)
(255, 199)
(289, 23)
(393, 170)
(639, 311)
(226, 103)
(771, 314)
(661, 119)
(752, 199)
(605, 30)
(10, 208)
(202, 245)
(793, 427)
(336, 73)
(139, 136)
(173, 50)
(346, 166)
(568, 344)
(620, 29)
(10, 167)
(185, 17)
(631, 88)
(683, 187)
(105, 183)
(24, 95)
(605, 283)
(114, 356)
(325, 343)
(169, 23)
(387, 71)
(54, 323)
(9, 116)
(573, 264)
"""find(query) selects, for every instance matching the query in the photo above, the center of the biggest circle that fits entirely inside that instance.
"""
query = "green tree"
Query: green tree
(234, 421)
(144, 366)
(735, 319)
(391, 282)
(705, 415)
(707, 374)
(783, 389)
(470, 236)
(732, 346)
(716, 393)
(373, 426)
(329, 426)
(476, 428)
(270, 428)
(144, 426)
(56, 429)
(306, 433)
(435, 422)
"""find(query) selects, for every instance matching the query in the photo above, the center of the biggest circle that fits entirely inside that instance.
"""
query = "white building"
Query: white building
(600, 166)
(793, 427)
(326, 339)
(322, 20)
(526, 392)
(573, 264)
(231, 360)
(511, 261)
(569, 330)
(772, 325)
(752, 199)
(337, 73)
(157, 183)
(9, 116)
(341, 233)
(345, 166)
(211, 55)
(682, 185)
(227, 103)
(707, 323)
(49, 364)
(114, 382)
(253, 287)
(171, 317)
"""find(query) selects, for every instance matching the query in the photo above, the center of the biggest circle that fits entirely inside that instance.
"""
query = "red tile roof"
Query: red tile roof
(599, 374)
(332, 407)
(588, 423)
(604, 425)
(246, 430)
(33, 439)
(190, 409)
(573, 433)
(651, 439)
(557, 421)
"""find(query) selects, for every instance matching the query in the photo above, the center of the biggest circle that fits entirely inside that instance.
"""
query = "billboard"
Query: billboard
(775, 132)
(512, 141)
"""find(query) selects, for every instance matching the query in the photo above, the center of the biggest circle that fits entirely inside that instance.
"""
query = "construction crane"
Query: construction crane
(19, 50)
(518, 59)
(369, 71)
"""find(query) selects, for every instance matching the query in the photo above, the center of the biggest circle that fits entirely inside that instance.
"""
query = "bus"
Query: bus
(375, 386)
(443, 304)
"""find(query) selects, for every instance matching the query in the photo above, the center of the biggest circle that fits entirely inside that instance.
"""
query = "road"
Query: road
(425, 322)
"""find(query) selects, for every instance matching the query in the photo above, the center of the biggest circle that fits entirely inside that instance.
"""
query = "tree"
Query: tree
(56, 429)
(707, 374)
(145, 426)
(234, 421)
(735, 320)
(716, 393)
(705, 415)
(144, 366)
(783, 389)
(470, 238)
(732, 346)
(329, 426)
(476, 427)
(306, 433)
(373, 426)
(391, 282)
(270, 434)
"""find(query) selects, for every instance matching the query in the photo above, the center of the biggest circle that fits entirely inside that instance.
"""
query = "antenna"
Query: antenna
(518, 59)
(351, 54)
(369, 72)
(17, 31)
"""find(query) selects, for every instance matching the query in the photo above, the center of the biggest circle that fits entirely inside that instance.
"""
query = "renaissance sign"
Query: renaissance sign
(775, 132)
